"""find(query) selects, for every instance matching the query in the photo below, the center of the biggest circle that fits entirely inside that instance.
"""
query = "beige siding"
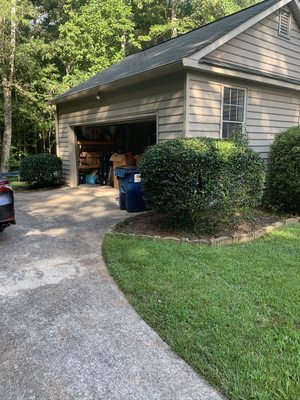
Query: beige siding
(260, 47)
(163, 99)
(203, 106)
(268, 110)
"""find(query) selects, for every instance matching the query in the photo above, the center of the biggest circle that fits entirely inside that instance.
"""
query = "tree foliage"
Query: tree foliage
(94, 37)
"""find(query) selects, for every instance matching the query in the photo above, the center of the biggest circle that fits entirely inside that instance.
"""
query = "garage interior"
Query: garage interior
(103, 147)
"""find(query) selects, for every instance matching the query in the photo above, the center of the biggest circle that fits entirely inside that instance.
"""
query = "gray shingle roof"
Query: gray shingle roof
(170, 51)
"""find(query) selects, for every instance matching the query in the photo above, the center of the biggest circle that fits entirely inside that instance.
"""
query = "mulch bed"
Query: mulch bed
(155, 224)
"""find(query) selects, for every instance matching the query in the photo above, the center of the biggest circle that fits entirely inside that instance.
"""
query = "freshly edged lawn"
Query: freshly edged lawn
(233, 313)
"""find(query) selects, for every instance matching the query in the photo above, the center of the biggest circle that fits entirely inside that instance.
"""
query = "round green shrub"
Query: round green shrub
(284, 171)
(201, 181)
(41, 169)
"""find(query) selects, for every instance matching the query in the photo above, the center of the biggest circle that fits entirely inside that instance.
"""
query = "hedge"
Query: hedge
(200, 182)
(284, 171)
(41, 169)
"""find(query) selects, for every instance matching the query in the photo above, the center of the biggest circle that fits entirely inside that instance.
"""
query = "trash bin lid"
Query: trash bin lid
(122, 171)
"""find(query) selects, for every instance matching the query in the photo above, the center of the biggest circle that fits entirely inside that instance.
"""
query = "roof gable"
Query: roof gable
(248, 23)
(261, 49)
(196, 43)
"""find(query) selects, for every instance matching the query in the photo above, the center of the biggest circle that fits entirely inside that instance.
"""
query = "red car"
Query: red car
(7, 211)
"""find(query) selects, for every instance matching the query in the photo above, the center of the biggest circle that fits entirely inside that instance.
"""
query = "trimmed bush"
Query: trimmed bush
(200, 182)
(284, 171)
(41, 169)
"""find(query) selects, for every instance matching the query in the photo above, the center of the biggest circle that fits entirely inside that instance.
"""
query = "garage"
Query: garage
(102, 147)
(97, 126)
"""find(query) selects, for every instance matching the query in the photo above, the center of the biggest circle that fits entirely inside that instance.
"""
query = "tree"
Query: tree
(170, 18)
(14, 20)
(94, 37)
(7, 76)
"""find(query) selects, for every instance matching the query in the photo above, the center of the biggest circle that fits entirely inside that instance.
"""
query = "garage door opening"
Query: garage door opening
(102, 147)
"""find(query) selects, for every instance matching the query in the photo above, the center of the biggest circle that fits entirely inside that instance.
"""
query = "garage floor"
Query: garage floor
(66, 330)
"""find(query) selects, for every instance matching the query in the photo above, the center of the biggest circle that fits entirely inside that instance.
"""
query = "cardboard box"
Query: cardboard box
(89, 158)
(119, 160)
(83, 158)
(93, 158)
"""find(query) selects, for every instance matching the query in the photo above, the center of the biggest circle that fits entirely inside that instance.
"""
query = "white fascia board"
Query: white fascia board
(232, 34)
(194, 65)
(295, 8)
(297, 3)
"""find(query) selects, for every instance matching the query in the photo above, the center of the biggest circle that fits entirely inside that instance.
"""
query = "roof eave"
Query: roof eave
(151, 73)
(232, 72)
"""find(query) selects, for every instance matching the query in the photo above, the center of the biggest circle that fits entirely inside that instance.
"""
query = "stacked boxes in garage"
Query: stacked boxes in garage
(118, 160)
(91, 158)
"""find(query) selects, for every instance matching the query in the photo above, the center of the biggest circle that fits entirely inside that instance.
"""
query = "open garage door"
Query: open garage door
(102, 147)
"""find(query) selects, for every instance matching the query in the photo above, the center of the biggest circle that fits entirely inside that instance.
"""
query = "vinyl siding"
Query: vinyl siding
(203, 107)
(268, 110)
(261, 48)
(162, 98)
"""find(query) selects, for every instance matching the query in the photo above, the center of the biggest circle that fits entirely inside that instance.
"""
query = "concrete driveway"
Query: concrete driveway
(66, 330)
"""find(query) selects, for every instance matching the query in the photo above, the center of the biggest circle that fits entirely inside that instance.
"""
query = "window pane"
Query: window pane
(232, 128)
(234, 96)
(233, 113)
(225, 130)
(241, 98)
(226, 96)
(226, 110)
(240, 114)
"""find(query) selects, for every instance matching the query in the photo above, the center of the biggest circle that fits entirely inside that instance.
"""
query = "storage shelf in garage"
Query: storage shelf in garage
(93, 142)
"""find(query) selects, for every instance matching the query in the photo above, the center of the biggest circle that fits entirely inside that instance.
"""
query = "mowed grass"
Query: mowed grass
(233, 313)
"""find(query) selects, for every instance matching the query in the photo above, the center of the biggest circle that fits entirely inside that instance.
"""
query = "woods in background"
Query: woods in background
(48, 46)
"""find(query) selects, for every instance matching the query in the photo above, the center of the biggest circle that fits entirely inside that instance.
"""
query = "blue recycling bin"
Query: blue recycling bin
(131, 196)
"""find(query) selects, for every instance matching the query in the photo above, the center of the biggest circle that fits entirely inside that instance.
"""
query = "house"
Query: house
(242, 70)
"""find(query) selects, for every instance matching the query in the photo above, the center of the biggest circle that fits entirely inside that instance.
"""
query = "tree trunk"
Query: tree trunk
(123, 45)
(174, 19)
(7, 83)
(6, 141)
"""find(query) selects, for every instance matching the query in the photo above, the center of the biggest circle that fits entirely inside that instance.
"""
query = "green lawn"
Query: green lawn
(16, 185)
(233, 313)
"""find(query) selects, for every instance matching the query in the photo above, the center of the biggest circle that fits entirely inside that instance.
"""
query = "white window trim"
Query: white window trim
(222, 104)
(288, 36)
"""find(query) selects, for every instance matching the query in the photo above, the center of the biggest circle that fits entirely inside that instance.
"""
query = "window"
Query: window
(284, 23)
(233, 110)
